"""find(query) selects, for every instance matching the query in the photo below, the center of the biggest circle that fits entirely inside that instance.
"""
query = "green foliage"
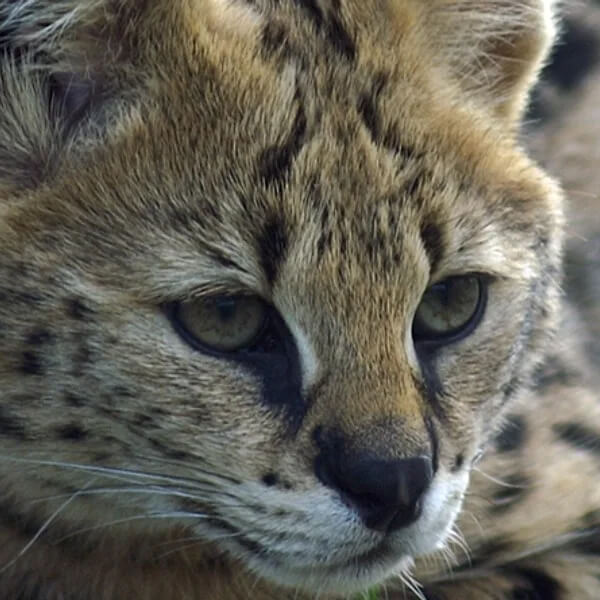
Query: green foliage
(372, 594)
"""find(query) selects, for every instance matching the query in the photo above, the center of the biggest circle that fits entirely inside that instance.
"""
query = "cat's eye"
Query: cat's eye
(221, 323)
(450, 310)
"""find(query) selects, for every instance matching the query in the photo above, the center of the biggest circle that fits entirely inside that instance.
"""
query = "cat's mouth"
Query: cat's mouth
(314, 542)
(352, 574)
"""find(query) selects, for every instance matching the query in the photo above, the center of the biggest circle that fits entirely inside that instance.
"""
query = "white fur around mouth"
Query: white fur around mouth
(352, 575)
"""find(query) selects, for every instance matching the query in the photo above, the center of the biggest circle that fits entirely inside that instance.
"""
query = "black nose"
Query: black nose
(387, 494)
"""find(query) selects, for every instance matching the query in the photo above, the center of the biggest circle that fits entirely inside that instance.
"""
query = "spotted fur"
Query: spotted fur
(334, 157)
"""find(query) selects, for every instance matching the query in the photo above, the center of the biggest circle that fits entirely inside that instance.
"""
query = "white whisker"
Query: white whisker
(41, 530)
(143, 516)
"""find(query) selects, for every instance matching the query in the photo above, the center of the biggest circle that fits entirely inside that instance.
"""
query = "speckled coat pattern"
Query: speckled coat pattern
(336, 159)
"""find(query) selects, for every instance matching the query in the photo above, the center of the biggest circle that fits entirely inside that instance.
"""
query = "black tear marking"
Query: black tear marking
(435, 444)
(579, 436)
(272, 247)
(274, 163)
(31, 363)
(432, 238)
(513, 436)
(513, 491)
(430, 387)
(72, 431)
(277, 368)
(537, 585)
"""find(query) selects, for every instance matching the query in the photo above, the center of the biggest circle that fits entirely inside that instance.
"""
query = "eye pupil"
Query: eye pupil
(221, 324)
(450, 310)
(226, 308)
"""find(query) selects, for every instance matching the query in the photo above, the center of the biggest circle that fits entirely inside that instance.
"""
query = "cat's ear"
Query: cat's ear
(60, 64)
(495, 48)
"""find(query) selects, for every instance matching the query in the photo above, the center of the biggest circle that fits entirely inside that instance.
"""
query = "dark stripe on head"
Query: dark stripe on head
(274, 38)
(340, 39)
(579, 436)
(313, 11)
(367, 107)
(335, 32)
(433, 243)
(275, 162)
(272, 247)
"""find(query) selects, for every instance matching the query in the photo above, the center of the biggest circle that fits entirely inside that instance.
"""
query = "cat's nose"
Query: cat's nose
(387, 494)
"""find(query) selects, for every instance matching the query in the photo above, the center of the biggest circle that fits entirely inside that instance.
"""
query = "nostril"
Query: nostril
(387, 494)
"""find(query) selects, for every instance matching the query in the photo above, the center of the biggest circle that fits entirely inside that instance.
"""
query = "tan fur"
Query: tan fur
(178, 137)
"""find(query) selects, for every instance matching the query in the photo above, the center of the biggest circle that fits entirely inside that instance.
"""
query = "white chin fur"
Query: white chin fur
(313, 542)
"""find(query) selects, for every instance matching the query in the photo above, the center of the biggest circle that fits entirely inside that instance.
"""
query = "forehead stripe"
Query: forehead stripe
(431, 237)
(275, 162)
(272, 246)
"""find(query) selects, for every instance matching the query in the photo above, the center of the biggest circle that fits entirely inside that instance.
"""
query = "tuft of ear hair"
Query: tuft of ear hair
(495, 48)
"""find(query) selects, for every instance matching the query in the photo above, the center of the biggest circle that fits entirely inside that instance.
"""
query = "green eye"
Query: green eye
(450, 310)
(221, 323)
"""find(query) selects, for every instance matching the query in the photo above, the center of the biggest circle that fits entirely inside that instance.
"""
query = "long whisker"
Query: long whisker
(41, 530)
(197, 542)
(140, 517)
(158, 491)
(195, 468)
(413, 585)
(110, 472)
(498, 481)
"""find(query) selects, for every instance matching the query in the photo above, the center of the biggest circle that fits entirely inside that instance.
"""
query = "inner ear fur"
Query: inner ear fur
(494, 48)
